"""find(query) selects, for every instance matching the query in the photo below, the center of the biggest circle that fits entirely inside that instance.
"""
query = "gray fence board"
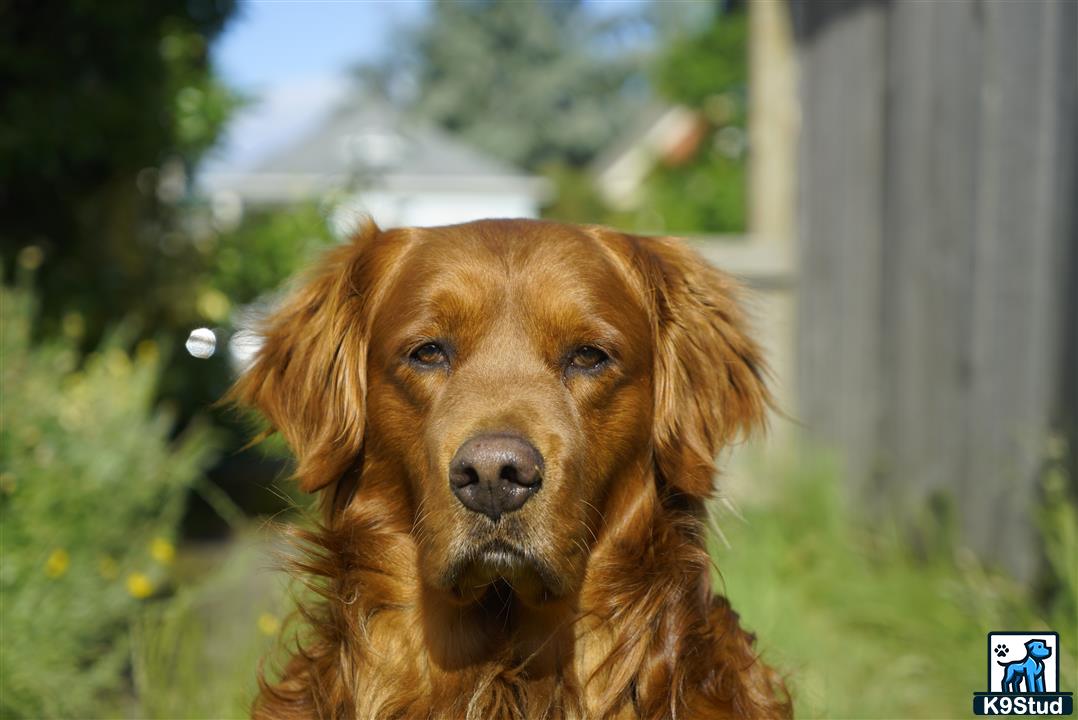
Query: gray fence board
(937, 196)
(845, 260)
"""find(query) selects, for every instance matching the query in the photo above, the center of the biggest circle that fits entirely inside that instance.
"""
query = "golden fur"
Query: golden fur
(611, 615)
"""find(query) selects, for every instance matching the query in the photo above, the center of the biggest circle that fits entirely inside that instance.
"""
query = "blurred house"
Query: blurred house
(367, 159)
(662, 135)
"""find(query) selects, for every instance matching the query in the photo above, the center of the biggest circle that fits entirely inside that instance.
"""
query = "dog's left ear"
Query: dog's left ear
(709, 372)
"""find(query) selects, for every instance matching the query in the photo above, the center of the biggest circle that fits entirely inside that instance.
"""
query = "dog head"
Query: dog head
(1038, 649)
(512, 385)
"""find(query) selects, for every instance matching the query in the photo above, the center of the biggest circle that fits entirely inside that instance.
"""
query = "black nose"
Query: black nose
(495, 474)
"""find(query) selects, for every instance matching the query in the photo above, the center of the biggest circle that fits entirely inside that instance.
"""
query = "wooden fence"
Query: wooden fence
(937, 233)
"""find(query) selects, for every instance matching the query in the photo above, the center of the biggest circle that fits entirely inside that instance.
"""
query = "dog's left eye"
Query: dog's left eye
(430, 355)
(587, 357)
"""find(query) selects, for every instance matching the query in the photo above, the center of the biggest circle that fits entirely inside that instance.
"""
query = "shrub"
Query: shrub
(91, 491)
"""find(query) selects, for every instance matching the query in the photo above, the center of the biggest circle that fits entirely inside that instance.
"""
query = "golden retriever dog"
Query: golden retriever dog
(512, 426)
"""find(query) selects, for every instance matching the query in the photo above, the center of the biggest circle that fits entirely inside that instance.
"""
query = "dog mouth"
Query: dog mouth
(498, 562)
(501, 557)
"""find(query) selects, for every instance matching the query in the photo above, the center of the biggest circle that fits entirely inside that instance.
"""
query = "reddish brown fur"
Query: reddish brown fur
(612, 616)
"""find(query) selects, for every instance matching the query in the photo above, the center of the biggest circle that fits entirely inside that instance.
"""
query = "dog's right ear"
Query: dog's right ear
(309, 377)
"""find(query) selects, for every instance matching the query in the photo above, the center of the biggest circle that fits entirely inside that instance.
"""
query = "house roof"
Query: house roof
(367, 144)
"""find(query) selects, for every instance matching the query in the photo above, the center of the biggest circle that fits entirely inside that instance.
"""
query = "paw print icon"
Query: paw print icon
(1000, 650)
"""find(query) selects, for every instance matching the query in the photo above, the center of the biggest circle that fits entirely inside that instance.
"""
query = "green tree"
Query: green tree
(106, 108)
(533, 82)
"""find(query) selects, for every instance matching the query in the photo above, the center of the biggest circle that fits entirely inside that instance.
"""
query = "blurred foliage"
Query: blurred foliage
(529, 81)
(831, 596)
(91, 493)
(578, 199)
(106, 108)
(1058, 521)
(700, 188)
(196, 656)
(694, 68)
(706, 195)
(266, 249)
(238, 266)
(708, 72)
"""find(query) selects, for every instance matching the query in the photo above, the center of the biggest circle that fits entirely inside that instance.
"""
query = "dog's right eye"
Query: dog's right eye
(587, 358)
(430, 355)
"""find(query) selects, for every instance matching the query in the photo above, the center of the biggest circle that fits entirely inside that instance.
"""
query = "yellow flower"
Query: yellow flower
(268, 623)
(162, 550)
(139, 586)
(57, 563)
(107, 567)
(213, 304)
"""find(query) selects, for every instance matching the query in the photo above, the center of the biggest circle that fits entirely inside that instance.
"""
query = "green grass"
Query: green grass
(860, 626)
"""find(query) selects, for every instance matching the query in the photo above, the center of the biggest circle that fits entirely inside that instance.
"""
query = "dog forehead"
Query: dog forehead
(508, 245)
(486, 262)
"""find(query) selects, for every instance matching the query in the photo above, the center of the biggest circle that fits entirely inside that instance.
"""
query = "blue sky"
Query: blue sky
(293, 58)
(273, 41)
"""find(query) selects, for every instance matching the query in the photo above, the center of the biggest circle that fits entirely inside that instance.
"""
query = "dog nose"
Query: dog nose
(495, 474)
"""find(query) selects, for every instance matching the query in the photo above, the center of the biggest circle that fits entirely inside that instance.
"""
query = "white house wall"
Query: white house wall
(390, 209)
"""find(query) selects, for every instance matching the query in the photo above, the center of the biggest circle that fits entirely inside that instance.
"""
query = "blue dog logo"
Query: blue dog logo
(1029, 686)
(1029, 669)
